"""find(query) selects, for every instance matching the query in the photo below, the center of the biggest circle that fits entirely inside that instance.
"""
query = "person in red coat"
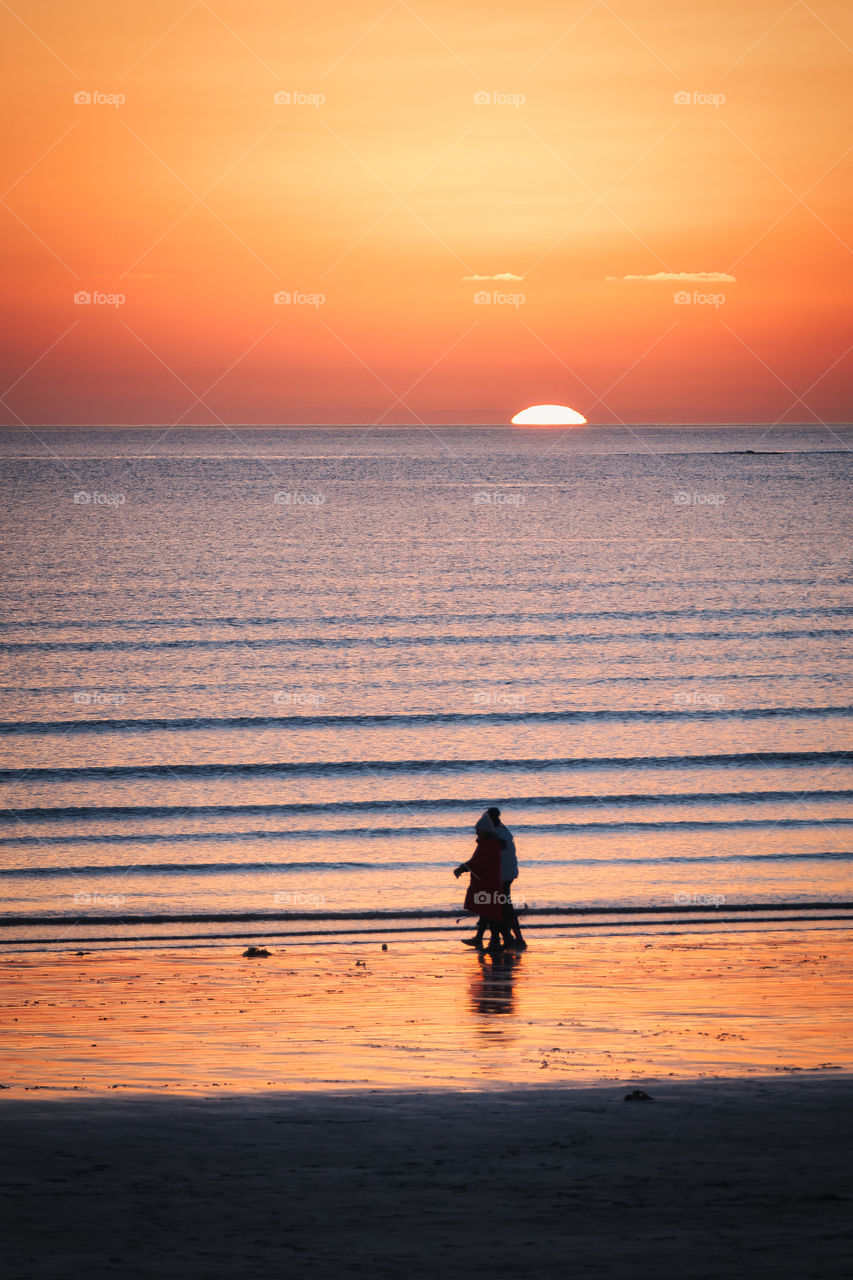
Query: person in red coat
(485, 890)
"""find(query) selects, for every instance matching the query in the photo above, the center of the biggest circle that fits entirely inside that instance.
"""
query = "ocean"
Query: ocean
(260, 683)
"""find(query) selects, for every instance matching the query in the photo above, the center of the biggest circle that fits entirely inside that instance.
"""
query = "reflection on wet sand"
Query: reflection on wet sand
(425, 1015)
(492, 989)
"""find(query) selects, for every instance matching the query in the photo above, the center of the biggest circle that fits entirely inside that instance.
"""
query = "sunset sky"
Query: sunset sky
(554, 149)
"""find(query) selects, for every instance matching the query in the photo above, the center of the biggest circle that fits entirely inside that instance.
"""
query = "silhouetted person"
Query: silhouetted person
(510, 923)
(484, 894)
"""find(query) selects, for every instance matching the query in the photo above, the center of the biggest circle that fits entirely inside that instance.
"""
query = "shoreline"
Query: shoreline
(676, 909)
(408, 925)
(611, 1090)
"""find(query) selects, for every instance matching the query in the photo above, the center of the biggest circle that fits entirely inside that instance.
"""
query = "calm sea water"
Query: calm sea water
(265, 671)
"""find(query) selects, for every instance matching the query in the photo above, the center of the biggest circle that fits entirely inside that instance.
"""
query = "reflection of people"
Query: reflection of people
(483, 898)
(491, 988)
(510, 924)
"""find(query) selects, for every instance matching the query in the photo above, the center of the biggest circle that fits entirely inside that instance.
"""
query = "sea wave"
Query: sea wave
(332, 768)
(417, 720)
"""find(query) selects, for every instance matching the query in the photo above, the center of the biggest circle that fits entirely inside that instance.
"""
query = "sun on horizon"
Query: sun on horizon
(548, 415)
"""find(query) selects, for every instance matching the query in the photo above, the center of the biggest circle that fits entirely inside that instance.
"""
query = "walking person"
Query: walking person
(484, 894)
(510, 923)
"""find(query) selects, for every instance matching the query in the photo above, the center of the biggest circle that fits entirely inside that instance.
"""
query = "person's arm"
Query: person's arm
(474, 864)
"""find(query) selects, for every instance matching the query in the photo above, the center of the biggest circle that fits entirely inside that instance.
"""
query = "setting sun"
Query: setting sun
(548, 415)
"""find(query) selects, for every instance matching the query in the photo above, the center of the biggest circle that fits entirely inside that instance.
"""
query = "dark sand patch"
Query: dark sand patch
(711, 1179)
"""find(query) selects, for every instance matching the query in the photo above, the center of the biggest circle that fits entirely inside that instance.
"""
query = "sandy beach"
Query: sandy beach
(710, 1179)
(339, 1110)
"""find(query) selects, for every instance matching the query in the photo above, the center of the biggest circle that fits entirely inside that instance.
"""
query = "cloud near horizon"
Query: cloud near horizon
(701, 277)
(501, 275)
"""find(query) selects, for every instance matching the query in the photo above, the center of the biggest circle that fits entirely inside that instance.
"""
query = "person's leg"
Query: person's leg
(477, 940)
(511, 921)
(506, 916)
(495, 937)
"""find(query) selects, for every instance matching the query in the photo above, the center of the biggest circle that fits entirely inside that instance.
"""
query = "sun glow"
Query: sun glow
(548, 415)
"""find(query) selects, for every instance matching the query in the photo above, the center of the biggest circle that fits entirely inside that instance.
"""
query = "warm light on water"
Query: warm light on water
(290, 680)
(428, 1015)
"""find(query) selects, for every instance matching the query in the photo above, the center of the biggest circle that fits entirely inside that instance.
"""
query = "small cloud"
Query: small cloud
(700, 277)
(501, 275)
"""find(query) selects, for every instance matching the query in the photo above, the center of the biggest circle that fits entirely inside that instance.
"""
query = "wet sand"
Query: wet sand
(429, 1014)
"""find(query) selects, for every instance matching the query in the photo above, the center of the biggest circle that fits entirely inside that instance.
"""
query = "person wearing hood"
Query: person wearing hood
(510, 923)
(484, 894)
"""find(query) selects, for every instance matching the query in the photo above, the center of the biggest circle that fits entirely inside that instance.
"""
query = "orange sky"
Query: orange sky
(198, 198)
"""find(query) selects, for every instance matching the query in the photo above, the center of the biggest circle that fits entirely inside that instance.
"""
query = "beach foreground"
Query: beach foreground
(339, 1110)
(710, 1179)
